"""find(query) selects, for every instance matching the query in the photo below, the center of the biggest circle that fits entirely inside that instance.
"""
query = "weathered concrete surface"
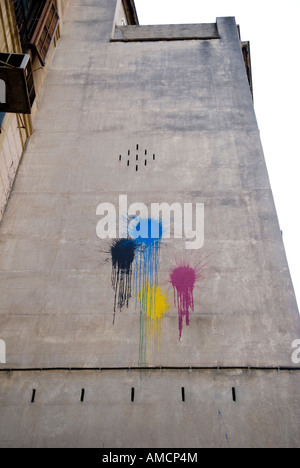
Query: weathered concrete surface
(101, 99)
(263, 415)
(189, 103)
(166, 32)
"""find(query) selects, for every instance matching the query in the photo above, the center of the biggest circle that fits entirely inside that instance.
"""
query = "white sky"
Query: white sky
(272, 27)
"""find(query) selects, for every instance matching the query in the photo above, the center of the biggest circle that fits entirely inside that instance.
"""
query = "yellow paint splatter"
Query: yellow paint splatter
(154, 304)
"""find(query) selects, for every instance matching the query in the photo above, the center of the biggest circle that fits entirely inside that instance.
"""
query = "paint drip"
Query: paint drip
(122, 254)
(147, 234)
(154, 306)
(147, 240)
(183, 279)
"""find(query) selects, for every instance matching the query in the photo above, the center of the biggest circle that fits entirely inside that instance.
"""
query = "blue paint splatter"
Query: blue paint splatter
(147, 234)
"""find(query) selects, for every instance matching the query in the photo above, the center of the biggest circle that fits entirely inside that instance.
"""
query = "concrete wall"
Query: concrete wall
(166, 32)
(265, 413)
(189, 103)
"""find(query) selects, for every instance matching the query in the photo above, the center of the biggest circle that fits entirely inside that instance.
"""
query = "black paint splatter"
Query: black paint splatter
(122, 254)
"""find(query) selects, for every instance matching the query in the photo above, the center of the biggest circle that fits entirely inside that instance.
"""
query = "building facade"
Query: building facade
(26, 27)
(146, 299)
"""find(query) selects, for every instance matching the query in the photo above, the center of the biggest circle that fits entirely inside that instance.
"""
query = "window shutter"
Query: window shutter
(45, 31)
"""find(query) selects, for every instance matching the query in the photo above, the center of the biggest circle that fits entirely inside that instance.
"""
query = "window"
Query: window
(26, 11)
(45, 31)
(37, 23)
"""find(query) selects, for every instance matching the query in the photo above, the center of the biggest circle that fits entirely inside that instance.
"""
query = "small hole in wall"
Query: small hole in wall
(137, 157)
(120, 157)
(136, 168)
(128, 163)
(132, 394)
(82, 395)
(137, 147)
(154, 157)
(183, 393)
(233, 394)
(33, 395)
(145, 162)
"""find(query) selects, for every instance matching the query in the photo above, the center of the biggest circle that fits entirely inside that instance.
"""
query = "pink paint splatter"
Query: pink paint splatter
(183, 279)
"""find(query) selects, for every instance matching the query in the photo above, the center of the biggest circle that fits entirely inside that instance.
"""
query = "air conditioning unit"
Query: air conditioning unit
(17, 92)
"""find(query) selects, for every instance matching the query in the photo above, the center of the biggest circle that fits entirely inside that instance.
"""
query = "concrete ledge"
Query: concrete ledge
(173, 32)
